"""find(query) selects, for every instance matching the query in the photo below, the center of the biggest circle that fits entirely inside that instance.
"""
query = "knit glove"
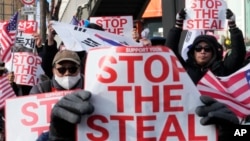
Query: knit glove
(214, 112)
(180, 18)
(66, 113)
(231, 19)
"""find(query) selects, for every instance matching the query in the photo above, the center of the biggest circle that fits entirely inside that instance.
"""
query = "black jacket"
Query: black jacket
(217, 65)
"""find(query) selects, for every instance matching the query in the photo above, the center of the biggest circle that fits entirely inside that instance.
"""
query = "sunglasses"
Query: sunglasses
(71, 70)
(200, 48)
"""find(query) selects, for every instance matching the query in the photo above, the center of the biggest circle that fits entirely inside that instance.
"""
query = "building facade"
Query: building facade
(8, 8)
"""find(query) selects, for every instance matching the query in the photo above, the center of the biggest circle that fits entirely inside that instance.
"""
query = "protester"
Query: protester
(206, 53)
(66, 76)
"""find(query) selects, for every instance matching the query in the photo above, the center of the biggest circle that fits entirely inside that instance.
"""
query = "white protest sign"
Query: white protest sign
(140, 93)
(78, 38)
(120, 25)
(24, 36)
(29, 116)
(205, 14)
(26, 67)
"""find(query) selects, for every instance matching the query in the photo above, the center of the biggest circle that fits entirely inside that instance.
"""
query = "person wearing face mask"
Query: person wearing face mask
(66, 74)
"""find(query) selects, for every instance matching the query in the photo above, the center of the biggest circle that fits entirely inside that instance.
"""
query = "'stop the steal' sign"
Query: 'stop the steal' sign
(205, 14)
(140, 93)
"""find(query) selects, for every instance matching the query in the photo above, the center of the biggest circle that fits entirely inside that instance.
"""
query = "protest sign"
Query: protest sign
(24, 36)
(209, 14)
(120, 25)
(78, 38)
(29, 116)
(26, 67)
(140, 93)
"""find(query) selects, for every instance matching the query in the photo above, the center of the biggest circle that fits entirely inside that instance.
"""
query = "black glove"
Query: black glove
(67, 113)
(231, 19)
(214, 112)
(180, 17)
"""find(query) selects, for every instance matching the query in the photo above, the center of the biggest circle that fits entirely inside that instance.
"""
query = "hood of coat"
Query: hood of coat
(217, 48)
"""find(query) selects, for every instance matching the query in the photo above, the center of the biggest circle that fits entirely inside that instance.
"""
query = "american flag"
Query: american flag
(233, 90)
(7, 37)
(6, 90)
(76, 22)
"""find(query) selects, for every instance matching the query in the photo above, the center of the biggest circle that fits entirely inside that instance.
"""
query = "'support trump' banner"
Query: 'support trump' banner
(140, 93)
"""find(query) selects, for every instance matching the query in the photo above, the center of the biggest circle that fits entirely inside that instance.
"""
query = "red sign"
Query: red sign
(28, 2)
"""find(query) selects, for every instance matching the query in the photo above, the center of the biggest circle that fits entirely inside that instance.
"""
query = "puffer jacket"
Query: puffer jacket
(217, 65)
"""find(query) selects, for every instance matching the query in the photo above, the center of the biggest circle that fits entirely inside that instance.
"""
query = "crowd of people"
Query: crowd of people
(64, 70)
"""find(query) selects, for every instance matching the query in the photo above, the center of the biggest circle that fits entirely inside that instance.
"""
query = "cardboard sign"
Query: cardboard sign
(26, 67)
(140, 93)
(28, 116)
(120, 25)
(208, 14)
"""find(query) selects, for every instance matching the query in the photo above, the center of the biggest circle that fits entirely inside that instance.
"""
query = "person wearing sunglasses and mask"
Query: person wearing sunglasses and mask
(205, 53)
(68, 111)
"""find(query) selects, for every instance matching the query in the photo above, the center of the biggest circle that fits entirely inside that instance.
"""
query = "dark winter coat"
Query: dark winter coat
(50, 85)
(217, 65)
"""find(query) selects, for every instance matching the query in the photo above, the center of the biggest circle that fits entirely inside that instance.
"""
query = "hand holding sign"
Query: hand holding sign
(180, 17)
(67, 112)
(215, 112)
(231, 18)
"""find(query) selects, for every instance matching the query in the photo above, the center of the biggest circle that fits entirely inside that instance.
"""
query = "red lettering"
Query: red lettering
(177, 69)
(48, 105)
(112, 73)
(122, 125)
(148, 68)
(120, 95)
(40, 130)
(142, 128)
(104, 132)
(168, 98)
(191, 130)
(154, 99)
(27, 110)
(172, 122)
(130, 66)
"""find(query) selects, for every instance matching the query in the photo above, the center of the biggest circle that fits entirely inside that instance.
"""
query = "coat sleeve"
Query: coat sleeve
(47, 57)
(172, 41)
(235, 59)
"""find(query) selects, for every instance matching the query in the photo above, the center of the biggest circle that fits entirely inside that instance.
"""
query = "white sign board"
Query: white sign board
(205, 14)
(120, 25)
(140, 93)
(29, 116)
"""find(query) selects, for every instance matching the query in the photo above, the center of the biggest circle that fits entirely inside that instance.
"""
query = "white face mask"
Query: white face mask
(67, 82)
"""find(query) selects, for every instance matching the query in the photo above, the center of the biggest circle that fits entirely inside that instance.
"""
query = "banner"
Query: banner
(26, 67)
(140, 93)
(205, 14)
(24, 36)
(80, 38)
(120, 25)
(29, 116)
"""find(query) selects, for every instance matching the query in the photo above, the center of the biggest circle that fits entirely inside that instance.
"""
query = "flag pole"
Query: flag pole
(14, 42)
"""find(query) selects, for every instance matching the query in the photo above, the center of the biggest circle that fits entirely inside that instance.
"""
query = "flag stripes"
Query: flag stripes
(233, 90)
(6, 91)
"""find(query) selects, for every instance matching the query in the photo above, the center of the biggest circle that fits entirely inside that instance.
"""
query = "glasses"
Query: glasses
(200, 48)
(71, 70)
